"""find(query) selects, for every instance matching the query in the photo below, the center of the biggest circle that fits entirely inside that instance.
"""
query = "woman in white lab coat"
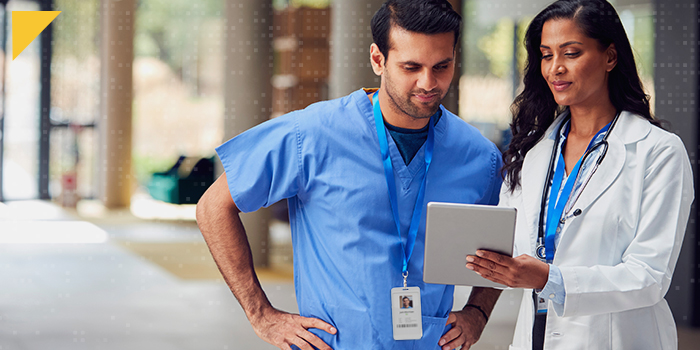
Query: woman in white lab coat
(603, 193)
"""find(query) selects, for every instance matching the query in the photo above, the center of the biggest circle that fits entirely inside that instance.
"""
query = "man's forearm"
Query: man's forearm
(484, 298)
(225, 235)
(217, 217)
(469, 323)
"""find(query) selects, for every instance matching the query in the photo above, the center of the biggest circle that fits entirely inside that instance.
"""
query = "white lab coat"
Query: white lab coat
(617, 257)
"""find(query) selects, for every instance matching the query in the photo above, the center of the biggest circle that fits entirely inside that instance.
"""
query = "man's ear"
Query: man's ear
(376, 57)
(612, 57)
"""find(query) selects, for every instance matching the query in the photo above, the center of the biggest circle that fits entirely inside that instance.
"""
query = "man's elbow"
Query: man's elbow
(201, 210)
(208, 204)
(215, 202)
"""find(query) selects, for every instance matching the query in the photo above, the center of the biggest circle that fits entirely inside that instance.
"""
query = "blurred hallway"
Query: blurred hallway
(106, 296)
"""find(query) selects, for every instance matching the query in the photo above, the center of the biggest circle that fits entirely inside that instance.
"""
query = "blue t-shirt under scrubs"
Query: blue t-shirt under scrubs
(326, 161)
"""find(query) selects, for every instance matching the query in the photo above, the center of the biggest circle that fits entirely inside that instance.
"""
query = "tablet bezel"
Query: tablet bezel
(455, 230)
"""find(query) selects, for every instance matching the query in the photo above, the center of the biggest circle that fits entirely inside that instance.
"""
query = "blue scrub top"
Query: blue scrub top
(326, 161)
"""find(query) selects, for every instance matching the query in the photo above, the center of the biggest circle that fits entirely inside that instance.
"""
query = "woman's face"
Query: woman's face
(575, 66)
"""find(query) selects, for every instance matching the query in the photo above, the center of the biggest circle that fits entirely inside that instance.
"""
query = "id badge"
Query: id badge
(542, 304)
(407, 321)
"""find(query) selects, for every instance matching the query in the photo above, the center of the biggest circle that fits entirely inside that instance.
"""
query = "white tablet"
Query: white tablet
(454, 231)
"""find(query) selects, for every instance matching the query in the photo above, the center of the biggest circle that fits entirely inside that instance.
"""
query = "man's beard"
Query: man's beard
(408, 107)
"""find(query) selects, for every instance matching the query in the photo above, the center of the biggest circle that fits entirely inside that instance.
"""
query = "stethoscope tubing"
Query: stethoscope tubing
(550, 173)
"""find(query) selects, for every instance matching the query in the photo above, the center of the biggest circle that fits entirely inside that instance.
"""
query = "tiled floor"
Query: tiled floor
(148, 285)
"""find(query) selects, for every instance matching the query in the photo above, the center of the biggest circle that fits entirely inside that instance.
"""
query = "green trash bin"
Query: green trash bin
(185, 182)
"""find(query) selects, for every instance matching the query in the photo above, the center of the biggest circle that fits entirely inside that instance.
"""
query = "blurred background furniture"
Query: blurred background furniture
(185, 182)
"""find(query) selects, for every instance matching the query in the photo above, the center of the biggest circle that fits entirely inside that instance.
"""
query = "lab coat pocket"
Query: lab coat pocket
(433, 329)
(640, 329)
(578, 333)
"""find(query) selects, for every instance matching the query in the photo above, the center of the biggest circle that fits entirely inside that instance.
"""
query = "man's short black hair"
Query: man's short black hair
(420, 16)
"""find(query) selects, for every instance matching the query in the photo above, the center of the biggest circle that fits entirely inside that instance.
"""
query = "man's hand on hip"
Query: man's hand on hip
(283, 330)
(467, 326)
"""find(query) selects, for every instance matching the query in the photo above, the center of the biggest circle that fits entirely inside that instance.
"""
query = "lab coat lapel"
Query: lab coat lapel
(629, 129)
(607, 172)
(533, 175)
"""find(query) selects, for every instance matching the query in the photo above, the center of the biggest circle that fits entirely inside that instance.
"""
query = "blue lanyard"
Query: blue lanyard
(555, 207)
(406, 250)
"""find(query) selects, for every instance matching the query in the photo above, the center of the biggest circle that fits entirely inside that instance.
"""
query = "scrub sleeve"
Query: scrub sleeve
(262, 165)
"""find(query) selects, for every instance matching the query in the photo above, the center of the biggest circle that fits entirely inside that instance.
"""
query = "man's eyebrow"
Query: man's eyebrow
(562, 45)
(447, 60)
(410, 63)
(413, 63)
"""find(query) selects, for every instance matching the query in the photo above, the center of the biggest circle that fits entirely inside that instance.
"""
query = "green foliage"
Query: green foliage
(281, 4)
(311, 3)
(145, 165)
(522, 51)
(498, 48)
(474, 62)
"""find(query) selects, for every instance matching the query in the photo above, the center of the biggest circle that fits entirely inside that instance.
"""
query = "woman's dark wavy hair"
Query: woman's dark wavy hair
(534, 109)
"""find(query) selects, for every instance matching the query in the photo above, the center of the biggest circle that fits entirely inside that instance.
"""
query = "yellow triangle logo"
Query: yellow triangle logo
(26, 26)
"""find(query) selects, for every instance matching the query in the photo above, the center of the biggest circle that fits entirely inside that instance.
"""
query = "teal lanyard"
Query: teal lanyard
(555, 207)
(406, 250)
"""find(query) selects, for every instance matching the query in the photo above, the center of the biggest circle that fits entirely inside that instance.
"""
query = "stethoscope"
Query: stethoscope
(540, 250)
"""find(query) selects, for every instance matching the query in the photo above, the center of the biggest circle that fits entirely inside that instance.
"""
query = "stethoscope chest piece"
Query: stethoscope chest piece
(540, 252)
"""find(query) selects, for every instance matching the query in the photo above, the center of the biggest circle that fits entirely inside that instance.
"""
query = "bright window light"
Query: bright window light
(50, 232)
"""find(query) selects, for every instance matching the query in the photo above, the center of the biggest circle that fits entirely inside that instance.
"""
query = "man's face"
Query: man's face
(406, 302)
(418, 72)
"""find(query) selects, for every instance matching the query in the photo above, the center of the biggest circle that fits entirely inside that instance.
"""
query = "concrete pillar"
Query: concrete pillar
(118, 19)
(351, 37)
(676, 86)
(248, 92)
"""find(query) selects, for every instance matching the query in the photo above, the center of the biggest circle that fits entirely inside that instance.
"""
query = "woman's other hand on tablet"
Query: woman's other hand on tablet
(524, 271)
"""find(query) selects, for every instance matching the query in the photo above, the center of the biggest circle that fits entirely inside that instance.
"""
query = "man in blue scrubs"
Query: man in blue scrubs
(356, 170)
